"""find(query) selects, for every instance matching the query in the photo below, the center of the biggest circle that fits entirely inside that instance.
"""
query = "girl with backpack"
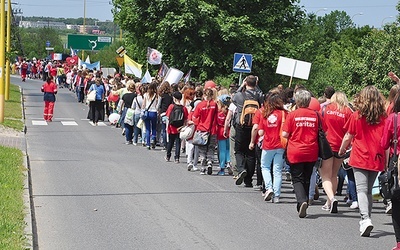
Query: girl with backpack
(177, 116)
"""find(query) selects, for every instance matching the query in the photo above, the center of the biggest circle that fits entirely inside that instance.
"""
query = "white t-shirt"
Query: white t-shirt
(153, 107)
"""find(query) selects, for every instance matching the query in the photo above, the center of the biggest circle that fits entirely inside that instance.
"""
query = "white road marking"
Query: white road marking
(39, 123)
(69, 123)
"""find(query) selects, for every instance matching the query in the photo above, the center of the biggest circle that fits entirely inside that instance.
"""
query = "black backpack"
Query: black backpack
(176, 118)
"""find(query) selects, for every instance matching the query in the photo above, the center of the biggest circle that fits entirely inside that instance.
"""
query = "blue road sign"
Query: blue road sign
(47, 43)
(242, 62)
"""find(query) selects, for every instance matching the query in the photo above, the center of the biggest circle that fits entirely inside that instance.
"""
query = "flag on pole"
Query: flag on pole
(187, 76)
(132, 67)
(87, 59)
(153, 56)
(163, 70)
(147, 77)
(73, 52)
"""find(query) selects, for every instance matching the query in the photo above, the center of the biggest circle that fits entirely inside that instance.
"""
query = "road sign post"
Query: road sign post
(242, 63)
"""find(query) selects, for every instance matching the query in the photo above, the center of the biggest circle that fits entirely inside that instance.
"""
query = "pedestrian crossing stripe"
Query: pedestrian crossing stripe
(39, 123)
(99, 124)
(69, 123)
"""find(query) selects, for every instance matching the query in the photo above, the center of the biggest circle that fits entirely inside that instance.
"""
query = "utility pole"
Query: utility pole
(8, 50)
(2, 57)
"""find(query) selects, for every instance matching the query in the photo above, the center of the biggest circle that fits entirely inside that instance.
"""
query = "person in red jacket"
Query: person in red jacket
(49, 88)
(24, 70)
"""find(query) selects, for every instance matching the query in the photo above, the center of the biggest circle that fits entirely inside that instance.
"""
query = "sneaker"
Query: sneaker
(349, 202)
(397, 247)
(153, 144)
(148, 147)
(167, 159)
(310, 202)
(316, 195)
(303, 210)
(275, 200)
(334, 205)
(388, 209)
(209, 168)
(229, 168)
(176, 161)
(248, 185)
(257, 187)
(221, 172)
(194, 169)
(268, 195)
(354, 205)
(240, 177)
(326, 207)
(123, 132)
(134, 143)
(366, 227)
(190, 167)
(202, 171)
(128, 142)
(288, 176)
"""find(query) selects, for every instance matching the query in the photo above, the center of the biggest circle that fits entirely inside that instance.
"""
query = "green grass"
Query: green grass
(13, 110)
(12, 214)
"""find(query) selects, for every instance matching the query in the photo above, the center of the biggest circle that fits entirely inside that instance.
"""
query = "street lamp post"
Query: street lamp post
(323, 9)
(383, 20)
(357, 14)
(8, 50)
(2, 57)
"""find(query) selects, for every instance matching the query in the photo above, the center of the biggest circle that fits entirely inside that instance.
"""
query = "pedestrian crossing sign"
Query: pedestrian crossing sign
(242, 62)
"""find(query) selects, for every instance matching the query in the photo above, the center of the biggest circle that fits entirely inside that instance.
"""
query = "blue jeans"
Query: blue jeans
(164, 133)
(351, 185)
(136, 130)
(151, 127)
(224, 152)
(275, 157)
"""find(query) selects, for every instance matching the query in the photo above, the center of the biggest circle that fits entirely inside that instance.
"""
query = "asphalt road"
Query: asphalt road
(91, 191)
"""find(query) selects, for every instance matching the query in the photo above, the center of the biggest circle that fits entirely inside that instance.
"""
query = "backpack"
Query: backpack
(176, 118)
(250, 106)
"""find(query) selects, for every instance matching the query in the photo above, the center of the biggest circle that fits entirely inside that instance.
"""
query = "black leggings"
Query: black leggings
(396, 214)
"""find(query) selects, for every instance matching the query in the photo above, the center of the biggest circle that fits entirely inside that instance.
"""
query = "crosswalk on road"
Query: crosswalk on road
(65, 123)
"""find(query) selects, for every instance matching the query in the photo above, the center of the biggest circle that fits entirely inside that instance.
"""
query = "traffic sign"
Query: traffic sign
(242, 62)
(88, 42)
(47, 43)
(121, 51)
(49, 48)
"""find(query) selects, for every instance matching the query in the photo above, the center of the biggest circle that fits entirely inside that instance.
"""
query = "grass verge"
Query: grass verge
(13, 110)
(12, 213)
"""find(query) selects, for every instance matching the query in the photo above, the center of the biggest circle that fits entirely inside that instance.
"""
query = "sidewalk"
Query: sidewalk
(12, 138)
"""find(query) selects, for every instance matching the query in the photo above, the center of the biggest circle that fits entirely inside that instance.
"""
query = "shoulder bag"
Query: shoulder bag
(324, 149)
(202, 138)
(388, 180)
(91, 96)
(145, 113)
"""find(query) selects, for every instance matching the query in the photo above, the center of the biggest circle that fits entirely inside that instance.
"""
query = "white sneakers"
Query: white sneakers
(354, 205)
(365, 227)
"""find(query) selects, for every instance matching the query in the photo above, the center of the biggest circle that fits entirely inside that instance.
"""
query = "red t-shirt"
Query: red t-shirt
(314, 104)
(272, 128)
(302, 126)
(171, 129)
(205, 116)
(388, 132)
(257, 119)
(53, 71)
(335, 120)
(221, 117)
(367, 152)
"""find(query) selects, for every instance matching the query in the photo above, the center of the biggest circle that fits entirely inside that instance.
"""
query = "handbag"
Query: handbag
(324, 149)
(140, 124)
(145, 113)
(186, 132)
(91, 96)
(202, 138)
(388, 180)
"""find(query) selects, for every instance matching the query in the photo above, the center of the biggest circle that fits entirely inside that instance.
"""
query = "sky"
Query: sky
(374, 12)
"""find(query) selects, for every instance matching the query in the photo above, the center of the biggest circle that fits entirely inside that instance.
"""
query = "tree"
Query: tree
(204, 35)
(34, 41)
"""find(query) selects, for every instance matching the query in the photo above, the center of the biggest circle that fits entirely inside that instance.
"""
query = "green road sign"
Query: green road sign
(86, 42)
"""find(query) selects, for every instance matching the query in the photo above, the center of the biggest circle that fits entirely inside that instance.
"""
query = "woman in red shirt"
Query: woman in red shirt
(364, 130)
(49, 88)
(301, 129)
(335, 115)
(205, 119)
(273, 117)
